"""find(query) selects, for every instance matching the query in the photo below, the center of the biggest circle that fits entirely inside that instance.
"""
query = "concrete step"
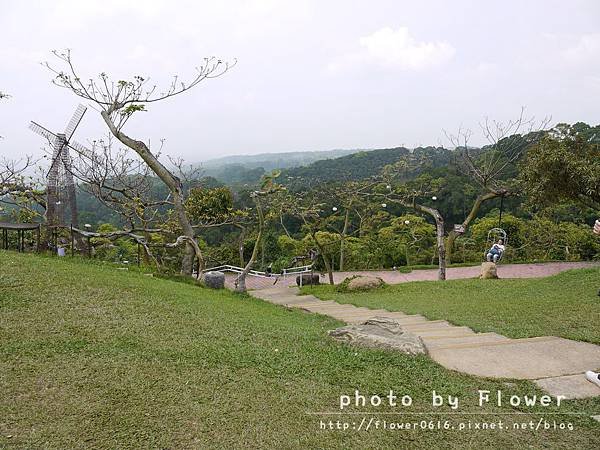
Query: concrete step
(446, 332)
(313, 303)
(477, 338)
(530, 358)
(354, 311)
(427, 326)
(499, 342)
(569, 386)
(325, 309)
(287, 300)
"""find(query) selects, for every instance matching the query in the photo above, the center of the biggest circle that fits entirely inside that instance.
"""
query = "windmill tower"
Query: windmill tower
(60, 186)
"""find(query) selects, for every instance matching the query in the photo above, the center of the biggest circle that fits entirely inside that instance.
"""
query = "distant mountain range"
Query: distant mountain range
(242, 169)
(282, 160)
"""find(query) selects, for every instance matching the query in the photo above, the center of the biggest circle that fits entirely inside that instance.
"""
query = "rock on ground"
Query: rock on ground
(380, 332)
(214, 280)
(361, 283)
(489, 270)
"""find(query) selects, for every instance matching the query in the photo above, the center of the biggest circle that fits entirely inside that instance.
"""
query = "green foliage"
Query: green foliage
(409, 239)
(122, 249)
(209, 205)
(537, 239)
(564, 165)
(132, 108)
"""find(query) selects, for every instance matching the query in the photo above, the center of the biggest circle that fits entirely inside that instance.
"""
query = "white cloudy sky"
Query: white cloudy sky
(311, 75)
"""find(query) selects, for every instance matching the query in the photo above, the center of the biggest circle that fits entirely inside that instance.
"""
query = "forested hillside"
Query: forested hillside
(370, 209)
(247, 169)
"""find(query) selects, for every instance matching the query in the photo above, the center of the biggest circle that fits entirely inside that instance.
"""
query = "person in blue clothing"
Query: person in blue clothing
(495, 253)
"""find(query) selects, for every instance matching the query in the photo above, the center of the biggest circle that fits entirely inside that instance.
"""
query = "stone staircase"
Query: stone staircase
(555, 364)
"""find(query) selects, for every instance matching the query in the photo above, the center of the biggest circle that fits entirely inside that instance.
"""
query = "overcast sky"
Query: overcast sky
(311, 75)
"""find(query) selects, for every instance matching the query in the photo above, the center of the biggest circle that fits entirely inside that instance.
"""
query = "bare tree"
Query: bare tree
(20, 190)
(118, 101)
(488, 166)
(261, 198)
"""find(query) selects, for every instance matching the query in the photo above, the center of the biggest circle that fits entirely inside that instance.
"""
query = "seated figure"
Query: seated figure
(495, 253)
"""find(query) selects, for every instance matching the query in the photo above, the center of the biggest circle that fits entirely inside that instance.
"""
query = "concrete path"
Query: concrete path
(395, 277)
(555, 364)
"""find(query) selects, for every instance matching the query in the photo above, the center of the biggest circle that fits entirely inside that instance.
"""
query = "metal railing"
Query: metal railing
(285, 272)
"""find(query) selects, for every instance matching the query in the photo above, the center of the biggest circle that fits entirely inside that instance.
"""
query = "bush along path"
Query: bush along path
(555, 364)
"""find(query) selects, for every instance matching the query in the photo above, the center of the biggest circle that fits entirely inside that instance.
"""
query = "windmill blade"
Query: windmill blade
(81, 150)
(75, 120)
(37, 128)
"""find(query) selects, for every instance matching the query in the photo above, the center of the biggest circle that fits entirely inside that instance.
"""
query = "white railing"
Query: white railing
(285, 272)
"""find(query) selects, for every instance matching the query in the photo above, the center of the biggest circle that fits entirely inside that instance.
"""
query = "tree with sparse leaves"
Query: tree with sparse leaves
(118, 101)
(493, 167)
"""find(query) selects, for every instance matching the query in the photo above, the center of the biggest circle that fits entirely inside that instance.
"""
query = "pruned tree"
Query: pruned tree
(493, 167)
(348, 203)
(261, 198)
(414, 194)
(118, 101)
(310, 209)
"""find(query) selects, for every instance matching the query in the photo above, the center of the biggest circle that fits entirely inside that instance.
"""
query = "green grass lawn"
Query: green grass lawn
(91, 356)
(565, 305)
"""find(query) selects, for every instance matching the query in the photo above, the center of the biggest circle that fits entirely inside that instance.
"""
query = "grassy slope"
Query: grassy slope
(92, 356)
(563, 305)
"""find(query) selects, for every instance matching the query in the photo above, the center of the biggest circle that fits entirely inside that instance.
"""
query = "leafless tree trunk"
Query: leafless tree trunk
(439, 233)
(240, 282)
(321, 248)
(343, 238)
(171, 181)
(117, 102)
(452, 235)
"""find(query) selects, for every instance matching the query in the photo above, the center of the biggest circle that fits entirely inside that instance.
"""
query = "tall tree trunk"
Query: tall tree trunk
(325, 260)
(439, 232)
(343, 239)
(452, 235)
(240, 281)
(173, 184)
(241, 244)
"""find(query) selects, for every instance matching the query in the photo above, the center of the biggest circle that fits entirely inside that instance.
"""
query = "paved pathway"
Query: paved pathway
(557, 365)
(395, 277)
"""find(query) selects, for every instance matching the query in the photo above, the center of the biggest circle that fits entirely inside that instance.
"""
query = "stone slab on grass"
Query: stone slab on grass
(531, 358)
(570, 386)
